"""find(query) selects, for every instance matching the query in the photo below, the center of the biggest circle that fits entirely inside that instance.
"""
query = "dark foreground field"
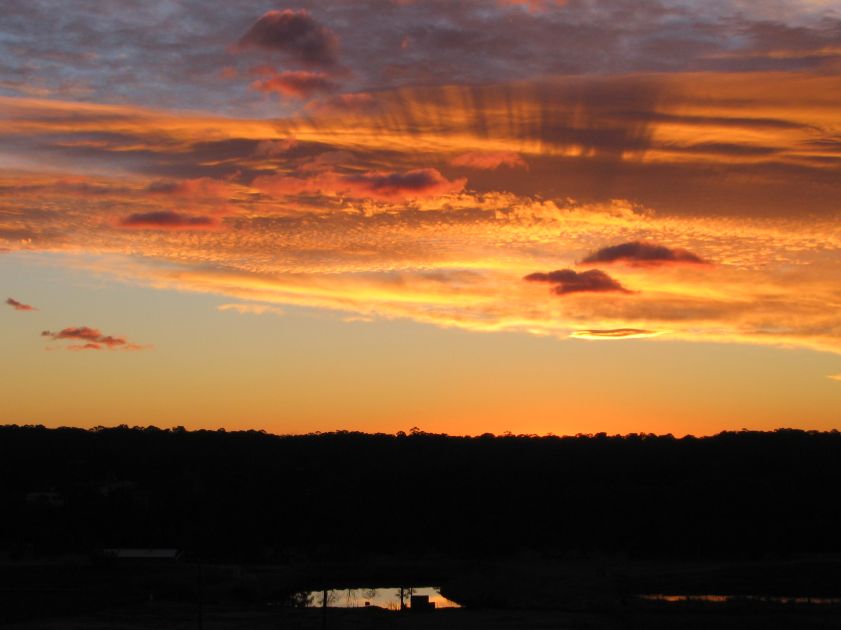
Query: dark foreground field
(182, 617)
(523, 532)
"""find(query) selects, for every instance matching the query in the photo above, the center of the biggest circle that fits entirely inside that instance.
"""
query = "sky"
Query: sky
(526, 216)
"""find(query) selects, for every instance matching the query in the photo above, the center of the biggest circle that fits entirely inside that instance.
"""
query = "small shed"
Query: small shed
(421, 603)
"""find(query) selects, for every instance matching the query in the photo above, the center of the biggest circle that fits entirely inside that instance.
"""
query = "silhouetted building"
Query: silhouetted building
(421, 603)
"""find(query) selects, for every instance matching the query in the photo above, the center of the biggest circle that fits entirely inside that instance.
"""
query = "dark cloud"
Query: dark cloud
(727, 148)
(167, 220)
(294, 33)
(416, 181)
(93, 339)
(568, 281)
(19, 306)
(639, 253)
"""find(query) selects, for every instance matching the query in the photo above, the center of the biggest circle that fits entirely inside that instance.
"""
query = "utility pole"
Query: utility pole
(200, 582)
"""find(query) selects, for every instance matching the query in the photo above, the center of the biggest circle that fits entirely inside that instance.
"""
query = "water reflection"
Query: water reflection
(388, 598)
(721, 599)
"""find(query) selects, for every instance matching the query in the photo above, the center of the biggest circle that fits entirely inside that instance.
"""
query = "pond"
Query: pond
(723, 599)
(388, 598)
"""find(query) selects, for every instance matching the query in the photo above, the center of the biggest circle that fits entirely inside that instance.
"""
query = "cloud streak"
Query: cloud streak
(615, 333)
(167, 220)
(19, 306)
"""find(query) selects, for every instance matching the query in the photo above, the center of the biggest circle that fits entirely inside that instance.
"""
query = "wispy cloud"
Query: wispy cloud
(92, 339)
(616, 333)
(19, 306)
(250, 309)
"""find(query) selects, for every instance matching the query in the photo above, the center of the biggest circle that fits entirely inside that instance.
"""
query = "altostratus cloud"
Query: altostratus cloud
(91, 339)
(566, 281)
(19, 306)
(642, 254)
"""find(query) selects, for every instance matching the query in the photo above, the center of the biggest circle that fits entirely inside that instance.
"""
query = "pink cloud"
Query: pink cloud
(19, 306)
(489, 160)
(93, 339)
(296, 84)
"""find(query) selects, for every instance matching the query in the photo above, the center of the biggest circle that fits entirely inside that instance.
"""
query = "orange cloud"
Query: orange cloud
(356, 216)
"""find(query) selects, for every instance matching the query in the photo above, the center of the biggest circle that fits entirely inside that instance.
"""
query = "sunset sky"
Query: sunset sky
(536, 216)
